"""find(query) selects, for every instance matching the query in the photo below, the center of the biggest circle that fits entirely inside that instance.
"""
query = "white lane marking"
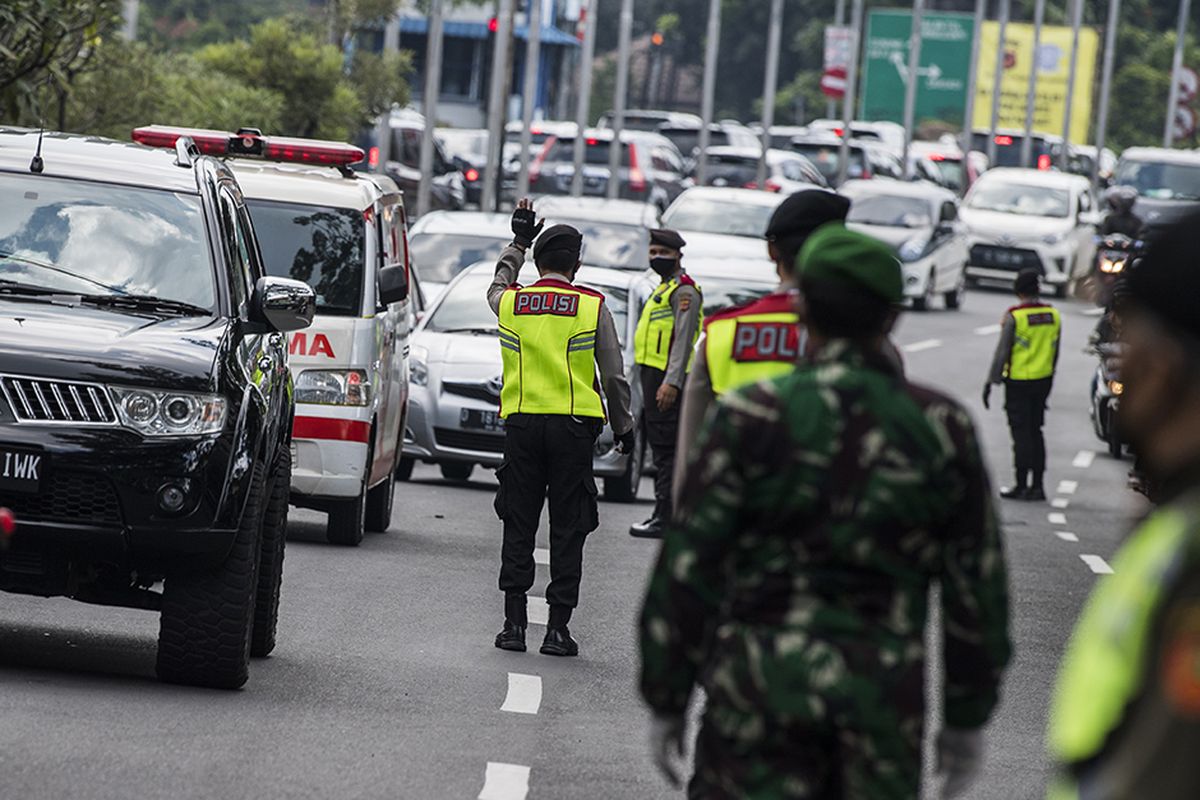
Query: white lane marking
(1060, 502)
(524, 694)
(1083, 459)
(1098, 565)
(1067, 487)
(539, 612)
(1057, 518)
(987, 330)
(1066, 536)
(505, 782)
(541, 555)
(927, 344)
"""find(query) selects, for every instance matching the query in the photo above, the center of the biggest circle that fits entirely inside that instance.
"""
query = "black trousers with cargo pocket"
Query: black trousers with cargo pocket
(546, 455)
(1025, 404)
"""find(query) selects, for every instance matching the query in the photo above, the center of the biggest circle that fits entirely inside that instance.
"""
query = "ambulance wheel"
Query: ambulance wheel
(404, 468)
(379, 505)
(457, 470)
(347, 521)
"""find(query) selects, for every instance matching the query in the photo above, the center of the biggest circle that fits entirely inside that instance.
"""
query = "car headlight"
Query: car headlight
(334, 387)
(1053, 238)
(1116, 387)
(155, 413)
(418, 370)
(913, 249)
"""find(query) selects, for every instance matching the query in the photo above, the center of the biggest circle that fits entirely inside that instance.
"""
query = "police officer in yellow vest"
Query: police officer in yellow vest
(1125, 720)
(1025, 360)
(663, 346)
(554, 338)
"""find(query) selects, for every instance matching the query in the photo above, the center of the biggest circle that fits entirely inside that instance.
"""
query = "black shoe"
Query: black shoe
(1035, 493)
(1015, 493)
(512, 637)
(650, 529)
(558, 642)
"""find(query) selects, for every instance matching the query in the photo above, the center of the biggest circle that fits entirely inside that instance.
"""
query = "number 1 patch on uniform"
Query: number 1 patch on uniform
(766, 341)
(556, 303)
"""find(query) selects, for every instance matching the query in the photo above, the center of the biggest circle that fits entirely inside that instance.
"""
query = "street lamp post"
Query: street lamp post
(619, 99)
(1076, 23)
(433, 83)
(585, 94)
(1106, 74)
(712, 40)
(1039, 14)
(529, 90)
(914, 77)
(972, 77)
(997, 81)
(769, 82)
(849, 100)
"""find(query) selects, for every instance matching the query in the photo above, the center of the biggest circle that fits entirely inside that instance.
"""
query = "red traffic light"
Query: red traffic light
(656, 39)
(493, 25)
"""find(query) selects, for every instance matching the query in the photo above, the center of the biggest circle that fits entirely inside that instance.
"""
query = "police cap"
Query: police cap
(1165, 281)
(558, 238)
(1027, 282)
(665, 237)
(805, 211)
(834, 254)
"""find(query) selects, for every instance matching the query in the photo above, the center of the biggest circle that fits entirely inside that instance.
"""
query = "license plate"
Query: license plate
(21, 470)
(478, 420)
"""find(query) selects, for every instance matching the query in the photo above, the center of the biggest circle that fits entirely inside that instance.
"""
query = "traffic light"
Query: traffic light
(656, 39)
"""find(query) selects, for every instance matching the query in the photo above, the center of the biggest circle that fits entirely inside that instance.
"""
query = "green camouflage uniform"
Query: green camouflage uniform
(819, 507)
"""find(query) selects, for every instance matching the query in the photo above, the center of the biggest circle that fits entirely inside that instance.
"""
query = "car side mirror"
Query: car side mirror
(393, 285)
(284, 304)
(949, 213)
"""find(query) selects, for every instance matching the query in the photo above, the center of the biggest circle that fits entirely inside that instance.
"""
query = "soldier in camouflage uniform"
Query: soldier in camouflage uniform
(819, 507)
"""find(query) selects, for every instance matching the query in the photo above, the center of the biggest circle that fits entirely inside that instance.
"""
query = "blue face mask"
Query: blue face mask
(665, 267)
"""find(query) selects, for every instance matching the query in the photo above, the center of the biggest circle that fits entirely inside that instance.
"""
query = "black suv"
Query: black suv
(145, 401)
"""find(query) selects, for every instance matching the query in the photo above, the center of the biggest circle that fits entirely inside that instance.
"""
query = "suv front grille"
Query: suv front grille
(41, 400)
(469, 440)
(79, 497)
(477, 391)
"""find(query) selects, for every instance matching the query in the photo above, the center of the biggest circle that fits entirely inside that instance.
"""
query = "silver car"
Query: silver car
(456, 374)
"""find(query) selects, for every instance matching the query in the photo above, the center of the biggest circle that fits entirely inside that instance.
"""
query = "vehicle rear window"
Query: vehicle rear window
(608, 244)
(322, 246)
(688, 139)
(710, 215)
(440, 256)
(890, 210)
(595, 152)
(1160, 180)
(825, 157)
(98, 238)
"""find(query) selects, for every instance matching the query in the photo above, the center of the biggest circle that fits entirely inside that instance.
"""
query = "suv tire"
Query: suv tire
(207, 615)
(457, 470)
(404, 468)
(270, 565)
(379, 504)
(347, 521)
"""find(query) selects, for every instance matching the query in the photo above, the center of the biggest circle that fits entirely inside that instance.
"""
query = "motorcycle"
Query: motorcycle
(1114, 254)
(1106, 397)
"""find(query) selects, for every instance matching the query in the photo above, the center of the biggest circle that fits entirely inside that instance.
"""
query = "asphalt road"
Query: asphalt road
(385, 683)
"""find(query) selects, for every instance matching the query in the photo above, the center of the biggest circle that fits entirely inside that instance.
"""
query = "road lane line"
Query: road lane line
(927, 344)
(1083, 459)
(1060, 502)
(1066, 536)
(539, 612)
(541, 555)
(524, 694)
(1067, 487)
(1057, 518)
(987, 330)
(1097, 564)
(505, 782)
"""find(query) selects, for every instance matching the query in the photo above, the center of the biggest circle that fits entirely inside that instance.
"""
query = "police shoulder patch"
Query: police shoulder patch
(685, 302)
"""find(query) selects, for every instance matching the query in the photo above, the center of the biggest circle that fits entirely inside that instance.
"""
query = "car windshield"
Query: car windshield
(826, 157)
(441, 256)
(891, 210)
(1161, 181)
(318, 245)
(607, 244)
(952, 171)
(103, 239)
(709, 215)
(1018, 198)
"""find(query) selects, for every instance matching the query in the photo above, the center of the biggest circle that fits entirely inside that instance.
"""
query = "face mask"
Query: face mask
(665, 267)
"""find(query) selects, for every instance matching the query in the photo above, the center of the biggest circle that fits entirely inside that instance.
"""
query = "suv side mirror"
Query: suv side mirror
(284, 304)
(392, 285)
(949, 212)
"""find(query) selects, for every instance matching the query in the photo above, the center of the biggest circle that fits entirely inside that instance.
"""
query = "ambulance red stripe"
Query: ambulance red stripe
(342, 430)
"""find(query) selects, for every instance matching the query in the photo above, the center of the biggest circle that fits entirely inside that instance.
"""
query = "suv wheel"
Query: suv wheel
(207, 615)
(457, 470)
(404, 468)
(270, 566)
(379, 504)
(623, 488)
(347, 521)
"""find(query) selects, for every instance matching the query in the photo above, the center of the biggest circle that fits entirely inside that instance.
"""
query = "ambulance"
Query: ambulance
(345, 235)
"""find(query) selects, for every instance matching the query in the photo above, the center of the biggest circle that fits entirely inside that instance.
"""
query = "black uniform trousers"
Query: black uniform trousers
(661, 428)
(546, 454)
(1025, 404)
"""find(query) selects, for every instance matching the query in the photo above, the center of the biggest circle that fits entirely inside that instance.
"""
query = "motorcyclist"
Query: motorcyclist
(1120, 217)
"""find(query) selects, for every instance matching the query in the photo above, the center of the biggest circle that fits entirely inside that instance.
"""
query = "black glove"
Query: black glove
(626, 442)
(526, 227)
(987, 396)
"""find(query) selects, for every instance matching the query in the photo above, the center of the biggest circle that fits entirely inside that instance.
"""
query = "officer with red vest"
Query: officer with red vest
(1025, 360)
(663, 347)
(554, 336)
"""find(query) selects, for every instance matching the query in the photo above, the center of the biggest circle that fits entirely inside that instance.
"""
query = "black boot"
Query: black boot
(1018, 491)
(650, 529)
(558, 642)
(511, 637)
(1036, 491)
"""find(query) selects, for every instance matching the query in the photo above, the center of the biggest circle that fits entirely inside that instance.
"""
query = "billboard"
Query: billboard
(942, 74)
(1053, 64)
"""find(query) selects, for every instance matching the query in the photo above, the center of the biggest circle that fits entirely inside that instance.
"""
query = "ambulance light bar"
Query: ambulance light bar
(249, 142)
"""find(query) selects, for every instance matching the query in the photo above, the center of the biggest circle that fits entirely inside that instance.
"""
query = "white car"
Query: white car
(918, 220)
(1019, 219)
(444, 243)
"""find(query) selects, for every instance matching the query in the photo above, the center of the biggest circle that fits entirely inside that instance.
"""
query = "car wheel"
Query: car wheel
(623, 488)
(457, 470)
(270, 566)
(347, 520)
(1116, 447)
(207, 615)
(954, 298)
(404, 468)
(925, 301)
(379, 504)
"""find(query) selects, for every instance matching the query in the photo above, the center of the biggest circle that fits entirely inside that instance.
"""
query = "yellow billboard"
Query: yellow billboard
(1054, 65)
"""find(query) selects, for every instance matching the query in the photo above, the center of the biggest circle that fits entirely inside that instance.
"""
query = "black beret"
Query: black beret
(665, 237)
(1165, 281)
(805, 211)
(1027, 282)
(558, 237)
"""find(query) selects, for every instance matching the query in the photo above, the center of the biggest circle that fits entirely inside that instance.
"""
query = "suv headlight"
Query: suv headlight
(334, 387)
(155, 413)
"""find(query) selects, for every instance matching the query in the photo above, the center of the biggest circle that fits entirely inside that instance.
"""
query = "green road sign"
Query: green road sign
(943, 73)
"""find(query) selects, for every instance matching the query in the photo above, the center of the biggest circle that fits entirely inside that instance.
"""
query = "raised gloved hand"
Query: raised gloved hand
(666, 746)
(525, 224)
(959, 759)
(626, 442)
(987, 396)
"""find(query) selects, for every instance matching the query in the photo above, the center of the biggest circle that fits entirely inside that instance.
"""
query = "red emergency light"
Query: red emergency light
(471, 175)
(250, 142)
(373, 157)
(1004, 141)
(936, 157)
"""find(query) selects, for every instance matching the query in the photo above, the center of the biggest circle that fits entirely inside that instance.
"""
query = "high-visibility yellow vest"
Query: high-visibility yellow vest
(1103, 669)
(1038, 328)
(752, 342)
(656, 327)
(548, 347)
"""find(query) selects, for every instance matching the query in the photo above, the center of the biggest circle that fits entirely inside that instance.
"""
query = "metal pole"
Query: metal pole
(618, 125)
(839, 18)
(533, 51)
(914, 78)
(972, 78)
(383, 130)
(997, 80)
(1039, 14)
(848, 101)
(433, 85)
(585, 94)
(769, 82)
(130, 15)
(1106, 74)
(1064, 158)
(497, 103)
(1176, 67)
(711, 42)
